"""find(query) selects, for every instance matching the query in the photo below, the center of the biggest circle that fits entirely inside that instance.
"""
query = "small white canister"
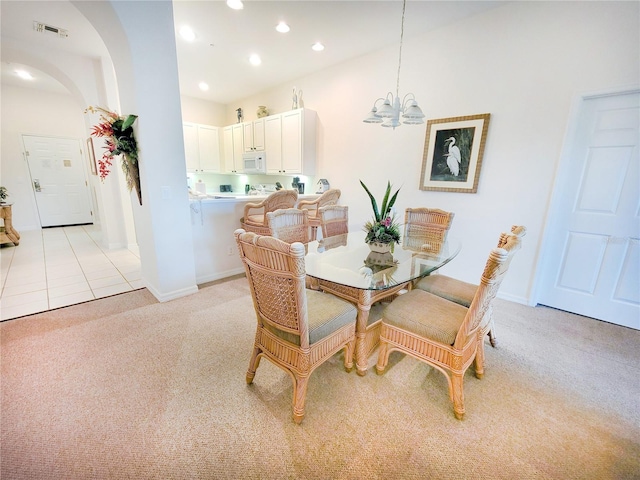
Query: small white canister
(201, 187)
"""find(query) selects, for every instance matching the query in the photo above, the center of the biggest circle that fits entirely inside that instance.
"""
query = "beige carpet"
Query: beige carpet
(127, 388)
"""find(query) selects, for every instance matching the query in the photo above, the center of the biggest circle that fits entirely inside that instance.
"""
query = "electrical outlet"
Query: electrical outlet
(230, 251)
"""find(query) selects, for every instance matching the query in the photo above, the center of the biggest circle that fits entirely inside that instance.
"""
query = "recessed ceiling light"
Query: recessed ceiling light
(203, 86)
(282, 27)
(24, 74)
(235, 4)
(318, 47)
(187, 34)
(255, 59)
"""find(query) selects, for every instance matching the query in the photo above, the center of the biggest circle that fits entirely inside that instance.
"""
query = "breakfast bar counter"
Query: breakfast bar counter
(214, 218)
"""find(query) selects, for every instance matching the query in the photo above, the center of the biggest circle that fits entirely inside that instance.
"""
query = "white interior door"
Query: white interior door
(58, 180)
(593, 249)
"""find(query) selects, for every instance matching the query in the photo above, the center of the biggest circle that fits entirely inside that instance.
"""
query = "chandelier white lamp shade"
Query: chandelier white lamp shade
(389, 112)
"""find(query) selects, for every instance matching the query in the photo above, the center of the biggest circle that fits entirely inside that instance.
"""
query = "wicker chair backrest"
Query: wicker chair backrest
(492, 276)
(424, 226)
(289, 225)
(330, 197)
(276, 274)
(334, 220)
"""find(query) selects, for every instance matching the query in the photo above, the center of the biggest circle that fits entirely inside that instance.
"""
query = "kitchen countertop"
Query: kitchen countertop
(239, 197)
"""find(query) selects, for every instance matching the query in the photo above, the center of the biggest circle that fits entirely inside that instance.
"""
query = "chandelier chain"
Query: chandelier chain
(404, 6)
(391, 108)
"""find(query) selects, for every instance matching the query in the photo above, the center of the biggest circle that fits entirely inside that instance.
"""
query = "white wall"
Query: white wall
(83, 79)
(32, 112)
(524, 63)
(143, 51)
(202, 111)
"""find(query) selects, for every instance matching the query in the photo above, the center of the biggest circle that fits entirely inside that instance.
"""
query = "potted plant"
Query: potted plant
(383, 232)
(3, 194)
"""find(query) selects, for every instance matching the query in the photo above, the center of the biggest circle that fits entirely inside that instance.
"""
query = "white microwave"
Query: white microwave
(254, 162)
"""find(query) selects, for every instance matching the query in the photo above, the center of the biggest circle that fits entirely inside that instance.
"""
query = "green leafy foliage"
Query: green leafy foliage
(383, 228)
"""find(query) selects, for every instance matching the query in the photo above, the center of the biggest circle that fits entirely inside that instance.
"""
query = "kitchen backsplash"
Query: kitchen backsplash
(213, 182)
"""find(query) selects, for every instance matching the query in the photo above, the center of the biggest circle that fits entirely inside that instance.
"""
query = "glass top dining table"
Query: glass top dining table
(344, 265)
(347, 260)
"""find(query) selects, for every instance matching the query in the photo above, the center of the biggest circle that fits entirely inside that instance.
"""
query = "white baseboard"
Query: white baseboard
(513, 298)
(116, 246)
(165, 297)
(219, 275)
(26, 228)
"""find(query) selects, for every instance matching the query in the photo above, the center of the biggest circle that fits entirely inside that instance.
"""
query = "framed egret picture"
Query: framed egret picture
(453, 151)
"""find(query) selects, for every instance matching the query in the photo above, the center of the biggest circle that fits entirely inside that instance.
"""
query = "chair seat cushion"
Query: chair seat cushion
(426, 315)
(255, 219)
(326, 313)
(446, 287)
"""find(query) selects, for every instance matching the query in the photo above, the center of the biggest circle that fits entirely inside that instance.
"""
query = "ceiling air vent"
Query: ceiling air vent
(44, 28)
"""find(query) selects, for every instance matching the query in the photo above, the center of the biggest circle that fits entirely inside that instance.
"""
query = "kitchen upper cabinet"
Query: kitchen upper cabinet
(201, 147)
(273, 143)
(253, 135)
(290, 142)
(233, 147)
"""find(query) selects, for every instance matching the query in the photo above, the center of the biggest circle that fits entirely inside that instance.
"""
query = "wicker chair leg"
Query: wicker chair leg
(491, 331)
(299, 398)
(479, 360)
(253, 365)
(383, 357)
(458, 395)
(348, 355)
(492, 336)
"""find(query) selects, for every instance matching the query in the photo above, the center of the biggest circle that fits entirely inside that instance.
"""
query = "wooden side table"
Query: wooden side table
(8, 233)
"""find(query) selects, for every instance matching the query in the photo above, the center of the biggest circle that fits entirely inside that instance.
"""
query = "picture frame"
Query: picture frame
(92, 157)
(453, 151)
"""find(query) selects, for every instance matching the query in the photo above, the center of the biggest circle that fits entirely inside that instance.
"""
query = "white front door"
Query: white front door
(592, 248)
(58, 180)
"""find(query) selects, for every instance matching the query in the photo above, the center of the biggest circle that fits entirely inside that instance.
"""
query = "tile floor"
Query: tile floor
(56, 267)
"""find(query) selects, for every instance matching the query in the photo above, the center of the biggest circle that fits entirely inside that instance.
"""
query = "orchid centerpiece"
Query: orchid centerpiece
(119, 140)
(383, 228)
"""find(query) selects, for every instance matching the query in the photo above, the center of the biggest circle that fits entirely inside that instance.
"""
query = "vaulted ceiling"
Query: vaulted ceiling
(225, 38)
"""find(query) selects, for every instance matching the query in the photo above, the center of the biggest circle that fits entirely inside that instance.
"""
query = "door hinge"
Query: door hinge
(26, 153)
(86, 184)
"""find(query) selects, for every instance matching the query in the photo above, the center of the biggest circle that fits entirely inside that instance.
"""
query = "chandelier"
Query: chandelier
(389, 113)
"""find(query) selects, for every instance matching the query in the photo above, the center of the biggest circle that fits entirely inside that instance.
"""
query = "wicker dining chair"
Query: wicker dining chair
(297, 329)
(334, 220)
(462, 293)
(289, 225)
(255, 214)
(330, 197)
(441, 333)
(426, 228)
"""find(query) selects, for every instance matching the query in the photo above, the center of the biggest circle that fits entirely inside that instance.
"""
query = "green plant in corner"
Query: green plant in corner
(383, 228)
(3, 194)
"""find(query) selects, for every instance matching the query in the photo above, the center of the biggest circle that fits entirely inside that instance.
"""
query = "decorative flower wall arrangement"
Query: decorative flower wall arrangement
(119, 140)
